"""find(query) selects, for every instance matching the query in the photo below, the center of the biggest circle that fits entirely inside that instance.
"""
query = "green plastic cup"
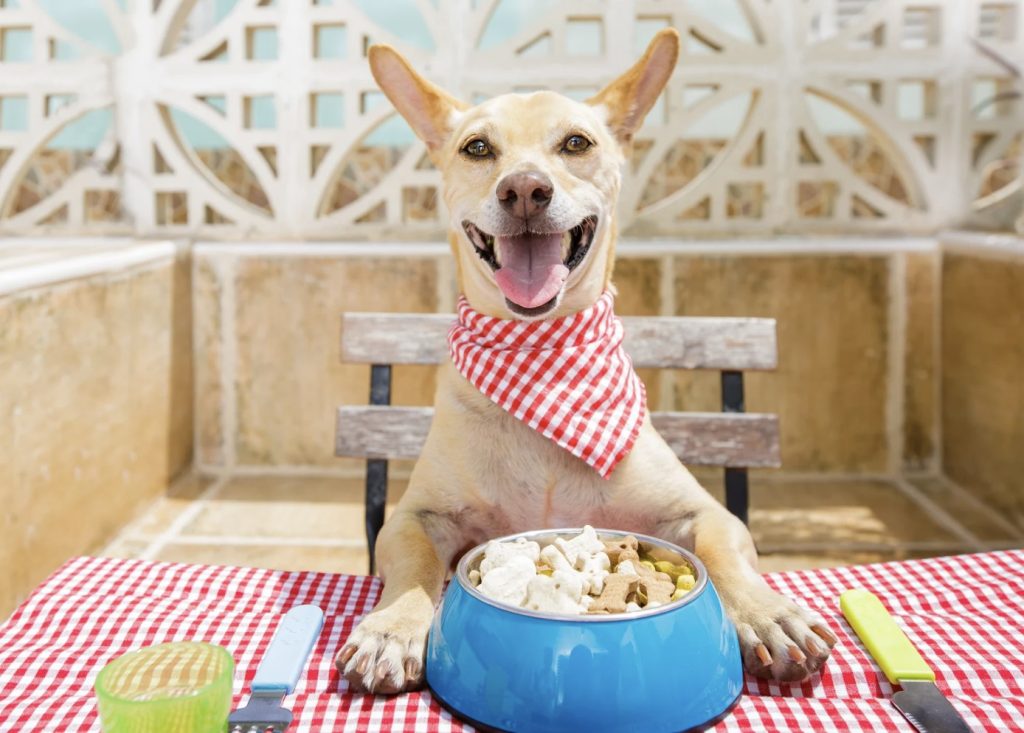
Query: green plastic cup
(181, 687)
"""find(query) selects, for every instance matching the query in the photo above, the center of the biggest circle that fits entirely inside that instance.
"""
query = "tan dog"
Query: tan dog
(541, 173)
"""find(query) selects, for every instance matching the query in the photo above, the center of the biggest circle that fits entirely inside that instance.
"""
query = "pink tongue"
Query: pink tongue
(531, 270)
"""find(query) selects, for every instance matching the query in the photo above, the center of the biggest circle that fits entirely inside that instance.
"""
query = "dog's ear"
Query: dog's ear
(629, 98)
(427, 108)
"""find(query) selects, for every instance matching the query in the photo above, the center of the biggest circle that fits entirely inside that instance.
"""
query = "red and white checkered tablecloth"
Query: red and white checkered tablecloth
(965, 614)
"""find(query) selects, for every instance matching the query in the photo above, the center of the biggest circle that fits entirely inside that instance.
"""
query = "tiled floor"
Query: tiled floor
(316, 523)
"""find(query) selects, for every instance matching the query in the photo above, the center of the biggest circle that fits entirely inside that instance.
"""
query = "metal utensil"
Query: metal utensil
(278, 672)
(920, 701)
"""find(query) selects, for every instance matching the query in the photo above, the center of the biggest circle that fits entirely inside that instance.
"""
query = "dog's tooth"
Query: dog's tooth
(566, 245)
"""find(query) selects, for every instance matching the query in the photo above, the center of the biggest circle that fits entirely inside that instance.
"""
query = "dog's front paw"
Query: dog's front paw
(779, 639)
(385, 653)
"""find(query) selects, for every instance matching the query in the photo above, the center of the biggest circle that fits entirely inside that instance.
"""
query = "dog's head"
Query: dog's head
(530, 180)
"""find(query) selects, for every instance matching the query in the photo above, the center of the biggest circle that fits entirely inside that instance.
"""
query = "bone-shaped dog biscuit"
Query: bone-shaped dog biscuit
(629, 555)
(497, 553)
(590, 567)
(560, 593)
(626, 567)
(617, 587)
(508, 582)
(657, 591)
(594, 569)
(613, 548)
(631, 560)
(555, 559)
(585, 542)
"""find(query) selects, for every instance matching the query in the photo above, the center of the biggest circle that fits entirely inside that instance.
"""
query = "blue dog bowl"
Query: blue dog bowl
(500, 667)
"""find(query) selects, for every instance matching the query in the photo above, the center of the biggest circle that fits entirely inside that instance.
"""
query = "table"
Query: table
(964, 613)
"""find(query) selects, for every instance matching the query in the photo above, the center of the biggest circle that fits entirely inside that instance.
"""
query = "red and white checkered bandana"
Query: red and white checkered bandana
(567, 378)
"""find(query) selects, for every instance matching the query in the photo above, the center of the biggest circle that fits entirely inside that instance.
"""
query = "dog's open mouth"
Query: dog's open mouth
(532, 267)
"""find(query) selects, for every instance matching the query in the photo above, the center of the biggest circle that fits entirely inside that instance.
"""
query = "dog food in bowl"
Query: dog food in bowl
(580, 574)
(504, 666)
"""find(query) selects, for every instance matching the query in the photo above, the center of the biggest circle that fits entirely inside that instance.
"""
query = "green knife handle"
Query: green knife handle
(886, 641)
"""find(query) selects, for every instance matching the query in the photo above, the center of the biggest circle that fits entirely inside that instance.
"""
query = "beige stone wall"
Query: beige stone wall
(268, 373)
(181, 395)
(921, 281)
(833, 319)
(97, 411)
(983, 374)
(855, 387)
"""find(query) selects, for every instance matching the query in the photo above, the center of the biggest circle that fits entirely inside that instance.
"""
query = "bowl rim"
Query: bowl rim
(462, 578)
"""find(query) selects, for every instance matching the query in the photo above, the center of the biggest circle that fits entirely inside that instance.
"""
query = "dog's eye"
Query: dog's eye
(477, 148)
(575, 144)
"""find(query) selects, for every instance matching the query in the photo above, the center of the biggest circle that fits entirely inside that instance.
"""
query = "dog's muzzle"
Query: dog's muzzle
(531, 267)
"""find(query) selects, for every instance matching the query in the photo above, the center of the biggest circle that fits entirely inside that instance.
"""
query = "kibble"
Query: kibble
(574, 575)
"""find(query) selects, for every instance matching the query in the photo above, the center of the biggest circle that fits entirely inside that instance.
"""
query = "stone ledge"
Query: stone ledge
(984, 244)
(28, 264)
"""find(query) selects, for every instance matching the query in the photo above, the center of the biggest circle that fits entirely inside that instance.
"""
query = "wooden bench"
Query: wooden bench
(733, 438)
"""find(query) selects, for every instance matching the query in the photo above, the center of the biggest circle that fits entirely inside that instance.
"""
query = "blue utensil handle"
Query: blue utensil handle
(286, 656)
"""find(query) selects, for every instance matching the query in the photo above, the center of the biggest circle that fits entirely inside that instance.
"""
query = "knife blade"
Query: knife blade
(920, 701)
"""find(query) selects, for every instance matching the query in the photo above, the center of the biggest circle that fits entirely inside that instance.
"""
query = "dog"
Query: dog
(540, 174)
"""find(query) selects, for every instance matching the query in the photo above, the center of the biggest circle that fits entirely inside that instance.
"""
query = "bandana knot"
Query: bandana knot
(567, 378)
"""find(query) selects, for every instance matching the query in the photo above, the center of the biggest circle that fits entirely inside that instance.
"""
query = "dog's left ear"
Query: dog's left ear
(629, 98)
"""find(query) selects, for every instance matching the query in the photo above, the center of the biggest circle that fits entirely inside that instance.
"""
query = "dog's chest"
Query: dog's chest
(518, 473)
(528, 476)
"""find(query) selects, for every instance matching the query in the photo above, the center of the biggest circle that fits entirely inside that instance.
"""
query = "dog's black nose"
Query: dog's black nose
(525, 194)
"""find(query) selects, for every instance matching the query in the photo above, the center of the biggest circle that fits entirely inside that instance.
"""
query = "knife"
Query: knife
(920, 701)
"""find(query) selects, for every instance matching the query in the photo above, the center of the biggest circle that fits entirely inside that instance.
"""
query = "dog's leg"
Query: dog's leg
(778, 638)
(385, 652)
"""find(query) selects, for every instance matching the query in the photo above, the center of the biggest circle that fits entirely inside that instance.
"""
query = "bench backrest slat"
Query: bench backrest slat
(698, 438)
(665, 342)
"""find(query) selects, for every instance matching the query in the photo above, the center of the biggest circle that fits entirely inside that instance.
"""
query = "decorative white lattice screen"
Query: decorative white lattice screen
(818, 115)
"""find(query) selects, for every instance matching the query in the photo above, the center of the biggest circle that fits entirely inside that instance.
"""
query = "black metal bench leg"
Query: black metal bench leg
(376, 468)
(737, 494)
(376, 498)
